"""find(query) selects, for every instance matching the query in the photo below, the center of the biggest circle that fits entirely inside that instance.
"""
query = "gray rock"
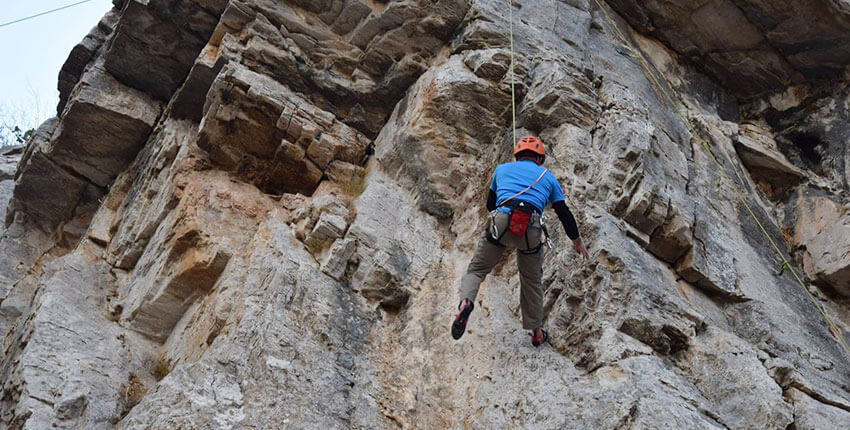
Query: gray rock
(558, 93)
(823, 228)
(750, 46)
(751, 398)
(380, 51)
(329, 227)
(256, 258)
(83, 165)
(708, 263)
(157, 41)
(273, 379)
(141, 206)
(392, 245)
(184, 262)
(44, 189)
(634, 283)
(288, 155)
(79, 387)
(9, 158)
(766, 164)
(433, 149)
(338, 257)
(124, 116)
(812, 414)
(221, 48)
(82, 55)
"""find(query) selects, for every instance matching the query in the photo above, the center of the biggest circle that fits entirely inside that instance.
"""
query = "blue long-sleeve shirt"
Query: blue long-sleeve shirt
(511, 178)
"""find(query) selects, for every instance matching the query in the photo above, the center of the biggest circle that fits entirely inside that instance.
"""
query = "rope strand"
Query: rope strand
(513, 75)
(43, 13)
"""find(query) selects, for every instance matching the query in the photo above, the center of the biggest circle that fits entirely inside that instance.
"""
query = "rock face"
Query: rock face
(750, 46)
(256, 213)
(823, 228)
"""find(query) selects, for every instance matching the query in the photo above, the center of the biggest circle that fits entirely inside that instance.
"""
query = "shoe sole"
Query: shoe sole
(459, 324)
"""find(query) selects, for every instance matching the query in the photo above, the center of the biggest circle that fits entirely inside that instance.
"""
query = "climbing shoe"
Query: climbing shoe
(539, 339)
(459, 324)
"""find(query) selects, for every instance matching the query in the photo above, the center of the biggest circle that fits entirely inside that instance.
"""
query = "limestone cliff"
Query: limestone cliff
(255, 214)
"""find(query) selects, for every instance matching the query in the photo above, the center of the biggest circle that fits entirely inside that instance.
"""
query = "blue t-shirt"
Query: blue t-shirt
(511, 178)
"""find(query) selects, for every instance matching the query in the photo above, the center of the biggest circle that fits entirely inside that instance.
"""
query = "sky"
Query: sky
(33, 51)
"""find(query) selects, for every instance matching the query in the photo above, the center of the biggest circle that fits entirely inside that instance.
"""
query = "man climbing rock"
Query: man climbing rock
(519, 192)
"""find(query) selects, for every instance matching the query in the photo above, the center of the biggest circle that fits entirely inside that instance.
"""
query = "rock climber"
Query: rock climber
(519, 191)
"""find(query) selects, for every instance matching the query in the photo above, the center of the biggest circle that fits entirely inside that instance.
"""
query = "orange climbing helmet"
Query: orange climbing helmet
(529, 143)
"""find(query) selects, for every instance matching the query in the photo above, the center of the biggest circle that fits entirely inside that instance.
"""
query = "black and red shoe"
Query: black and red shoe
(540, 338)
(459, 324)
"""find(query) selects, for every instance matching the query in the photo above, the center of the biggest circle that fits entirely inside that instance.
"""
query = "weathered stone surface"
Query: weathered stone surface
(750, 46)
(338, 257)
(157, 41)
(270, 381)
(433, 142)
(810, 414)
(287, 155)
(823, 228)
(124, 117)
(759, 153)
(82, 55)
(21, 247)
(634, 289)
(223, 47)
(391, 245)
(636, 390)
(44, 189)
(140, 206)
(558, 93)
(76, 359)
(284, 278)
(346, 174)
(710, 262)
(355, 59)
(77, 164)
(814, 138)
(9, 158)
(328, 227)
(191, 248)
(750, 398)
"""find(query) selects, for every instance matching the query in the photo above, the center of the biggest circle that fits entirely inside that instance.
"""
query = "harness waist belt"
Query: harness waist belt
(519, 204)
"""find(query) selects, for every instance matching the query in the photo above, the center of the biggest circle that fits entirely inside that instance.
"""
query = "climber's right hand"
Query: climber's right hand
(578, 245)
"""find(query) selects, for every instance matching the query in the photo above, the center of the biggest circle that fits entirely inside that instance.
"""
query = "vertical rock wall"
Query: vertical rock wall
(255, 213)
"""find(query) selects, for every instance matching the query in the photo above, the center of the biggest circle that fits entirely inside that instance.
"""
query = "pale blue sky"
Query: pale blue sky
(33, 51)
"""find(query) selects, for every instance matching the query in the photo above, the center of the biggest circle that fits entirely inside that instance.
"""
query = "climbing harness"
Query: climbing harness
(521, 215)
(836, 332)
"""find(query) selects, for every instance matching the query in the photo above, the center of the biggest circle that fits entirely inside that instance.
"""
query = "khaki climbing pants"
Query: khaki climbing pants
(530, 268)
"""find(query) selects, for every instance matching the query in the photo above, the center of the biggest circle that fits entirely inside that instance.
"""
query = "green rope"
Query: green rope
(513, 76)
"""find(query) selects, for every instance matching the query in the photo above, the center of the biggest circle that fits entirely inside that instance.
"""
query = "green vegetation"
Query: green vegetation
(161, 367)
(17, 124)
(355, 186)
(316, 246)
